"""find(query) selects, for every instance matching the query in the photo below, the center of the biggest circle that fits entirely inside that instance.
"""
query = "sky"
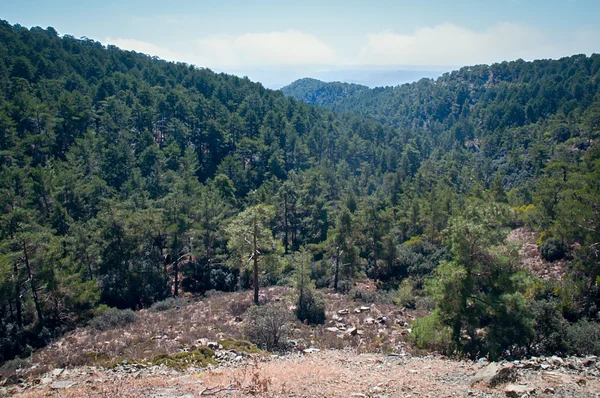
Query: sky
(277, 41)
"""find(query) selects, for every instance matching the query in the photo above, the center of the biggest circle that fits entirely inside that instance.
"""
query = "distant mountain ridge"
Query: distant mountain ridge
(317, 92)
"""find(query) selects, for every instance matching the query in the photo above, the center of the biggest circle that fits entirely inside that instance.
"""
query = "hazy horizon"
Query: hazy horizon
(278, 78)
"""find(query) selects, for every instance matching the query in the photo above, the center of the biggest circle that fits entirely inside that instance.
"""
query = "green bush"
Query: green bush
(584, 338)
(169, 304)
(240, 346)
(311, 308)
(345, 286)
(553, 249)
(405, 295)
(112, 318)
(429, 333)
(200, 358)
(268, 326)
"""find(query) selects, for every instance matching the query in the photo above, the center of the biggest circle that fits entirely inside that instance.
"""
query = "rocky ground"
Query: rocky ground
(329, 373)
(363, 350)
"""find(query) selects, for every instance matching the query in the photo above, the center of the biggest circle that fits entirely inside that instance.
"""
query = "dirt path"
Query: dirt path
(320, 374)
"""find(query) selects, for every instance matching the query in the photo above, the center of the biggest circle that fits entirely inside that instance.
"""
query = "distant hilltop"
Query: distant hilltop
(313, 91)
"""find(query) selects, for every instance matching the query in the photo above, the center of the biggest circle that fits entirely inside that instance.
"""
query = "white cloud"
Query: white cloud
(147, 48)
(449, 44)
(441, 45)
(274, 49)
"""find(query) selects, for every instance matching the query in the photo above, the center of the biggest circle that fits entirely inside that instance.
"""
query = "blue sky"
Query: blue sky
(297, 37)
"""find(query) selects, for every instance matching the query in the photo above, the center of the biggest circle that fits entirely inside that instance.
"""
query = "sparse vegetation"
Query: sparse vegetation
(112, 318)
(169, 304)
(240, 346)
(200, 358)
(268, 326)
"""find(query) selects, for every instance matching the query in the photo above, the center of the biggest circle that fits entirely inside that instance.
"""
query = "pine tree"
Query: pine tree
(250, 238)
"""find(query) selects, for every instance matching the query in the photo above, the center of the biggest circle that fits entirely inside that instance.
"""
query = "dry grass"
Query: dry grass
(219, 317)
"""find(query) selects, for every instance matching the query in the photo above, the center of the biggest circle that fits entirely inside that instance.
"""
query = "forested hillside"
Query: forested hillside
(316, 92)
(126, 179)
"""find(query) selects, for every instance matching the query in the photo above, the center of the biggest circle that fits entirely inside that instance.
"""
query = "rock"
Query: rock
(59, 385)
(494, 373)
(556, 378)
(364, 308)
(310, 350)
(357, 310)
(369, 321)
(345, 311)
(46, 380)
(382, 319)
(581, 381)
(57, 372)
(557, 360)
(238, 319)
(515, 390)
(352, 331)
(549, 390)
(332, 329)
(214, 345)
(377, 390)
(589, 362)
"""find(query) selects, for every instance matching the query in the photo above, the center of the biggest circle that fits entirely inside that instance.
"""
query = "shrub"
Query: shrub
(364, 295)
(9, 369)
(268, 326)
(240, 346)
(405, 295)
(238, 307)
(311, 308)
(203, 276)
(429, 332)
(345, 286)
(169, 304)
(550, 329)
(112, 318)
(371, 297)
(553, 249)
(200, 358)
(584, 338)
(425, 303)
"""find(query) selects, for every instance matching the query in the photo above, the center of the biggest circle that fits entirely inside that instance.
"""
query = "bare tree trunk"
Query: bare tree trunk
(337, 273)
(285, 222)
(255, 260)
(18, 304)
(176, 269)
(36, 300)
